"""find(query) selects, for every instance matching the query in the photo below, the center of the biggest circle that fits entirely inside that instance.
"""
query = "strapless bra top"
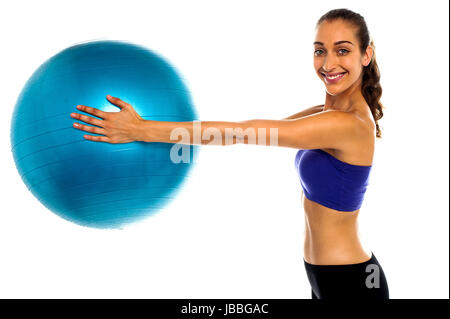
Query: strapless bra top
(331, 182)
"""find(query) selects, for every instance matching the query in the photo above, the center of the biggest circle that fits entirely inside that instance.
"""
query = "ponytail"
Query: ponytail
(371, 90)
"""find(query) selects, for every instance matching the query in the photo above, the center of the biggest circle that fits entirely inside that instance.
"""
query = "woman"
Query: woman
(336, 142)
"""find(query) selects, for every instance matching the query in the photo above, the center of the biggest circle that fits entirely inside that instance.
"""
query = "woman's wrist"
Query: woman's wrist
(143, 131)
(161, 131)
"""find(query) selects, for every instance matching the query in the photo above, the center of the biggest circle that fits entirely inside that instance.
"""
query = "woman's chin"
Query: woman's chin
(333, 91)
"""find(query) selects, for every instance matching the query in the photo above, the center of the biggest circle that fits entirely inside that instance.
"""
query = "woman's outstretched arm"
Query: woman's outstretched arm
(331, 129)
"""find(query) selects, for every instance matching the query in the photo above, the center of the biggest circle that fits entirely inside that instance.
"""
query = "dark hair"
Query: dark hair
(370, 87)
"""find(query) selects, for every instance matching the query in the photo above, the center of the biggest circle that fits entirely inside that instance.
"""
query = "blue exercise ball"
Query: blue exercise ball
(96, 184)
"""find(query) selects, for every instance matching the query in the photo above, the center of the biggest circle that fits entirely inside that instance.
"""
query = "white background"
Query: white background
(236, 229)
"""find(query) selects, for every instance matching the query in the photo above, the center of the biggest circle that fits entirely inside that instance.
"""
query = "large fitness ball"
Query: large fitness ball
(96, 184)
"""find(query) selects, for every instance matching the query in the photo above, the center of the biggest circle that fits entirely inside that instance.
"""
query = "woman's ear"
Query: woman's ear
(368, 55)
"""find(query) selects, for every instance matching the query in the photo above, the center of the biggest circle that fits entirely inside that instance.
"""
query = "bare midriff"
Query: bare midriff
(331, 236)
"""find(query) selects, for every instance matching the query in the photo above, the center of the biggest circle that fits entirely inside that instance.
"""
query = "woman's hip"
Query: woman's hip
(365, 280)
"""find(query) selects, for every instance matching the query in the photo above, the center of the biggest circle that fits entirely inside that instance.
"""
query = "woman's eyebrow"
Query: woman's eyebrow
(335, 43)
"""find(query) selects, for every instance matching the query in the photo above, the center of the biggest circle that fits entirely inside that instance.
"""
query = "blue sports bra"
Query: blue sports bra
(330, 181)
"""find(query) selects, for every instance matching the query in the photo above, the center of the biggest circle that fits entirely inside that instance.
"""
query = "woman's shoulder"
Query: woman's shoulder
(363, 113)
(362, 150)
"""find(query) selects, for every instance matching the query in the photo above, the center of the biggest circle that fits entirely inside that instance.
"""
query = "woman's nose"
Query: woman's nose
(329, 64)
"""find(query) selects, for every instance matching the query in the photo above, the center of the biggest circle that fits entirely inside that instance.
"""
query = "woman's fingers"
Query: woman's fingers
(87, 119)
(90, 129)
(93, 111)
(97, 138)
(95, 130)
(118, 102)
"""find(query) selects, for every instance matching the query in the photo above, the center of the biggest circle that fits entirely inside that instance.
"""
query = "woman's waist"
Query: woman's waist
(330, 239)
(334, 252)
(331, 231)
(331, 236)
(342, 257)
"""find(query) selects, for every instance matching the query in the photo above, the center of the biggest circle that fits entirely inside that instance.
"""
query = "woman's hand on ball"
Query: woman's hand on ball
(114, 127)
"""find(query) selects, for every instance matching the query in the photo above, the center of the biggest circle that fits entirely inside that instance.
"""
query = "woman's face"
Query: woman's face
(337, 58)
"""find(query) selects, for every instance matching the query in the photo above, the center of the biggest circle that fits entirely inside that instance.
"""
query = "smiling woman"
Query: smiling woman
(336, 143)
(338, 62)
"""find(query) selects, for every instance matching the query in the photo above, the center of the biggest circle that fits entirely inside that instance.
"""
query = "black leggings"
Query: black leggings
(354, 281)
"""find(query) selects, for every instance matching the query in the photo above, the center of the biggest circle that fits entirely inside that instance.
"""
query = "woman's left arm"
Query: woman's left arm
(330, 129)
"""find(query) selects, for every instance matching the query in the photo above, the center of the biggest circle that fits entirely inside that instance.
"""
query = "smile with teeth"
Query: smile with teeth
(333, 77)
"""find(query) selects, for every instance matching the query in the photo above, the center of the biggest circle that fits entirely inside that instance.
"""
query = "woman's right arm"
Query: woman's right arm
(308, 111)
(331, 129)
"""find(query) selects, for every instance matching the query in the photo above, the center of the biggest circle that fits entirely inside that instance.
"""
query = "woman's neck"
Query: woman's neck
(345, 101)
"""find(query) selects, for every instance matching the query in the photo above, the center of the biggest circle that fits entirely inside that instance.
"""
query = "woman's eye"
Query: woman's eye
(318, 52)
(346, 51)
